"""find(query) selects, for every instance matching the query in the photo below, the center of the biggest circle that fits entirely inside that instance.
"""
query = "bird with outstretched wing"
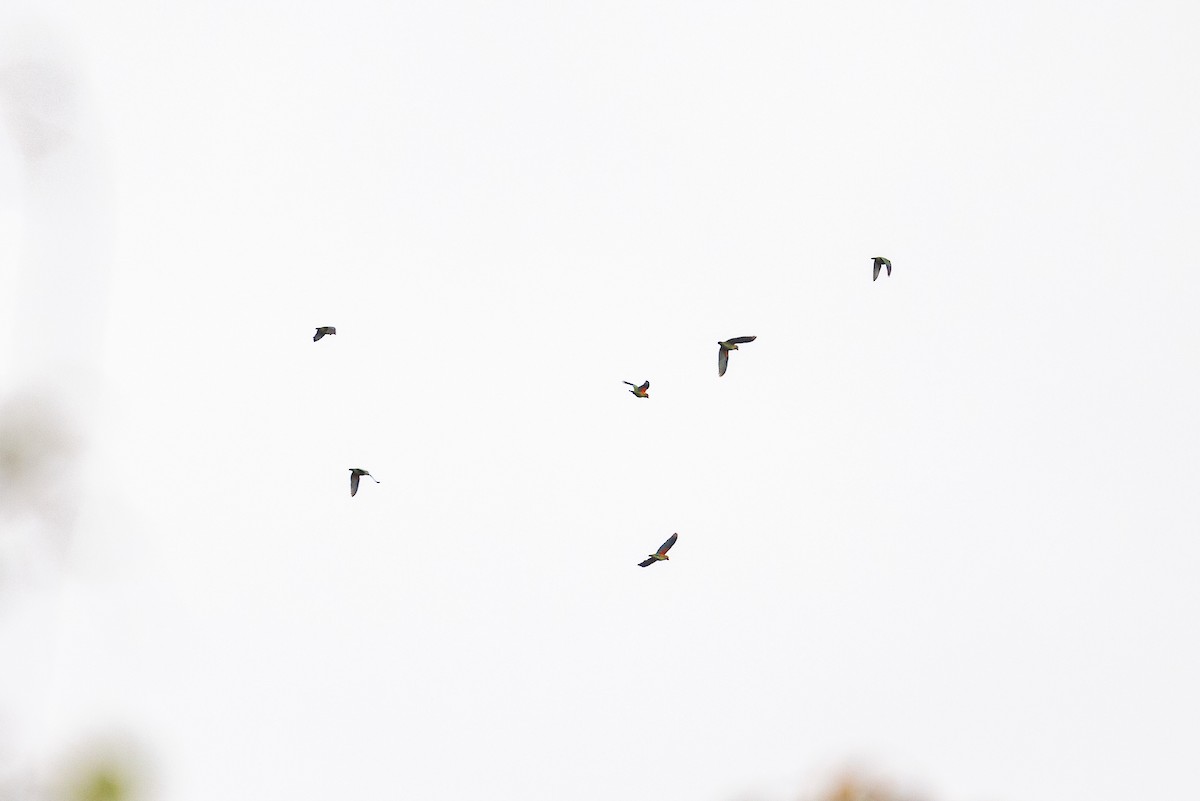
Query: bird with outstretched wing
(724, 348)
(639, 392)
(355, 474)
(661, 555)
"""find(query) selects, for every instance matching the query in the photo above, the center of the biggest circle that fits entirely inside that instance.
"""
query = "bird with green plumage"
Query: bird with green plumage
(880, 261)
(725, 347)
(661, 554)
(639, 392)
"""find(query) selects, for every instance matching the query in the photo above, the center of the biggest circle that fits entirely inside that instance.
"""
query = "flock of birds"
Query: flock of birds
(639, 391)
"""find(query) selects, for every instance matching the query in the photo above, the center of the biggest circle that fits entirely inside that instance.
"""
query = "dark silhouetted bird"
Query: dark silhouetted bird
(880, 261)
(323, 330)
(642, 392)
(725, 347)
(662, 552)
(355, 474)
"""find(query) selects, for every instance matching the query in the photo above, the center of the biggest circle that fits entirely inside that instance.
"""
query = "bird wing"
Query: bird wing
(722, 360)
(318, 335)
(630, 383)
(878, 264)
(645, 386)
(648, 562)
(353, 483)
(888, 262)
(666, 546)
(740, 340)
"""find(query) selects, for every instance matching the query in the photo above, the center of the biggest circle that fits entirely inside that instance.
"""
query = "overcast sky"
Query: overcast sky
(943, 524)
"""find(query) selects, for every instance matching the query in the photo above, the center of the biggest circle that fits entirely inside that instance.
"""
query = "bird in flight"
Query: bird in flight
(323, 330)
(880, 261)
(662, 552)
(726, 346)
(355, 474)
(641, 392)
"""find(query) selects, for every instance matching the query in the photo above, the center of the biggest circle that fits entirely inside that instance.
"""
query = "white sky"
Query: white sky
(943, 524)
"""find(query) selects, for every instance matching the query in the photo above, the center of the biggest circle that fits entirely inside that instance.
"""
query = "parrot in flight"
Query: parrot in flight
(640, 392)
(355, 474)
(725, 347)
(662, 552)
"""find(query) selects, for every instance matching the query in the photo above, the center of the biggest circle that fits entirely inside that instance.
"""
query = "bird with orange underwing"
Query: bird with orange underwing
(639, 392)
(723, 349)
(661, 554)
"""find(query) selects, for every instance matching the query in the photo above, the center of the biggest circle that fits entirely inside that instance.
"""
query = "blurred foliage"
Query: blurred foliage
(109, 770)
(102, 783)
(854, 787)
(34, 440)
(39, 470)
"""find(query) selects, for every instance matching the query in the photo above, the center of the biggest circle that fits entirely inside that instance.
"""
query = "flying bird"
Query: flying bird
(726, 346)
(355, 474)
(323, 330)
(880, 261)
(641, 392)
(662, 552)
